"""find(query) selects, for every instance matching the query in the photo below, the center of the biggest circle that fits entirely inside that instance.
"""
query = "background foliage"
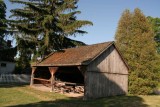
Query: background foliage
(6, 52)
(135, 39)
(156, 27)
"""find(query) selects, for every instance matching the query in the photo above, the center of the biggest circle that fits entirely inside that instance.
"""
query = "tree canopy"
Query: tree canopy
(135, 39)
(45, 25)
(6, 53)
(2, 21)
(156, 27)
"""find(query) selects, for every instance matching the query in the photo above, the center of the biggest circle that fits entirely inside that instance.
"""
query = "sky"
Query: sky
(105, 15)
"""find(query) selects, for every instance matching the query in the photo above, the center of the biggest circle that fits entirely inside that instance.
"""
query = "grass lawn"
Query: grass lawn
(24, 96)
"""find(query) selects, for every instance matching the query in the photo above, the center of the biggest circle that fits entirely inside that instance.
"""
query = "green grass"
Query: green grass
(24, 96)
(159, 86)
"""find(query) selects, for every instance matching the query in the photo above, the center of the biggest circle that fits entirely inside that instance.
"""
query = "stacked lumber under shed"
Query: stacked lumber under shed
(66, 87)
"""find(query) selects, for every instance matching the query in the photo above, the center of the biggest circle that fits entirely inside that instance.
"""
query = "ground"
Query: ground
(48, 89)
(25, 96)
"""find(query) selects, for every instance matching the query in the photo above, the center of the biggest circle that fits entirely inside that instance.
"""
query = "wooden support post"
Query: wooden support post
(85, 86)
(32, 76)
(52, 81)
(83, 70)
(52, 71)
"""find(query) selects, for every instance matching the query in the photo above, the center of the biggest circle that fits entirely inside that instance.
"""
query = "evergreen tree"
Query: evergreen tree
(48, 23)
(2, 21)
(6, 52)
(123, 32)
(135, 38)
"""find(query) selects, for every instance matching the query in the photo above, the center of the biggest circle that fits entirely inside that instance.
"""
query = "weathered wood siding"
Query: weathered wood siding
(107, 75)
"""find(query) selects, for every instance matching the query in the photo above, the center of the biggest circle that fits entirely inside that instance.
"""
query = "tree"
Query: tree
(48, 23)
(6, 53)
(156, 27)
(2, 21)
(135, 39)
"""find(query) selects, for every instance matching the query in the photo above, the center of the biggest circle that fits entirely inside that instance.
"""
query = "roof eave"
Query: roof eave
(59, 65)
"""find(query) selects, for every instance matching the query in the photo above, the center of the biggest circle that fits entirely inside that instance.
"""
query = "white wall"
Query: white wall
(9, 68)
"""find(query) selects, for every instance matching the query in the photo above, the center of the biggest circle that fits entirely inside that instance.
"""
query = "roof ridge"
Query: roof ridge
(110, 43)
(86, 45)
(96, 44)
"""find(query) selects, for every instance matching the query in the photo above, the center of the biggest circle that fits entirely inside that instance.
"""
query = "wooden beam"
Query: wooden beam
(42, 79)
(52, 71)
(32, 76)
(82, 69)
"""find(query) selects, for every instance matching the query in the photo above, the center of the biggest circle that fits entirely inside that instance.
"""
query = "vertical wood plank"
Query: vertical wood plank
(86, 85)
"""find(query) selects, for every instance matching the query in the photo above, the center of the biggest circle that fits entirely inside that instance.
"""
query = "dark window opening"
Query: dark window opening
(3, 64)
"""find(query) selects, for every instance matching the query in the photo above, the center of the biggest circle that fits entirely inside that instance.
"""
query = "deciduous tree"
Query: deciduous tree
(135, 39)
(156, 27)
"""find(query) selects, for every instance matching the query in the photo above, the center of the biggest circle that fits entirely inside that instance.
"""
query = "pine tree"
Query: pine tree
(6, 53)
(135, 38)
(48, 23)
(2, 21)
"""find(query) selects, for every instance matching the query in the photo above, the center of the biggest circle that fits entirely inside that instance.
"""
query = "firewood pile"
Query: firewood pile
(65, 87)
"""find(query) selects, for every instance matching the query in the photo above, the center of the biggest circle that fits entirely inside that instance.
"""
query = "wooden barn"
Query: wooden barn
(99, 68)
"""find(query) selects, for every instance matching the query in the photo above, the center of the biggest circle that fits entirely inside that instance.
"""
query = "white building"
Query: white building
(7, 67)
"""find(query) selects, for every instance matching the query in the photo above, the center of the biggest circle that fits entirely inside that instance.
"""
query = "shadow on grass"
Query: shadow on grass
(117, 101)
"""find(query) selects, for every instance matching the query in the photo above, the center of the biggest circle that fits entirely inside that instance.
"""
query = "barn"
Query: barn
(100, 68)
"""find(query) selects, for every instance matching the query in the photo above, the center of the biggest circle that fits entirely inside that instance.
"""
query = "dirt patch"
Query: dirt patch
(41, 87)
(48, 89)
(74, 95)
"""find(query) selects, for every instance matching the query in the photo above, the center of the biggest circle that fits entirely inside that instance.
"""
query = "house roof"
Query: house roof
(81, 55)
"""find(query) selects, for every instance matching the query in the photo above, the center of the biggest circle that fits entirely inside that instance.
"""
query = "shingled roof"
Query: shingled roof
(81, 55)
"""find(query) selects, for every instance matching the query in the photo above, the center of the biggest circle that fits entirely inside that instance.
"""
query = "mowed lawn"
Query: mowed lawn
(24, 96)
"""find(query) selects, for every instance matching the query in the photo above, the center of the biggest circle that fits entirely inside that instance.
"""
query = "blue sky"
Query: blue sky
(105, 15)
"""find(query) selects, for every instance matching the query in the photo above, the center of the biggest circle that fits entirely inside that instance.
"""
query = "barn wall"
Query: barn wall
(103, 85)
(107, 75)
(110, 61)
